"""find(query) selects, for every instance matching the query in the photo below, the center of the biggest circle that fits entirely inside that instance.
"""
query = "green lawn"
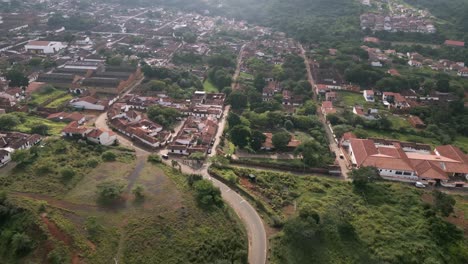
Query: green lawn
(209, 87)
(40, 98)
(351, 99)
(29, 121)
(244, 75)
(60, 101)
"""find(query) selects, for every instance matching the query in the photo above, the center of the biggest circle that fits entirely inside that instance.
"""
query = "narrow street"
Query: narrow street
(332, 143)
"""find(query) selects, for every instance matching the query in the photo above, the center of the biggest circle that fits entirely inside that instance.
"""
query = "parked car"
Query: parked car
(419, 185)
(165, 156)
(209, 151)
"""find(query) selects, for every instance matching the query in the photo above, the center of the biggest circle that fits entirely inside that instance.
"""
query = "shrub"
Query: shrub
(108, 156)
(21, 243)
(67, 173)
(59, 255)
(93, 228)
(92, 163)
(138, 191)
(207, 194)
(109, 192)
(154, 158)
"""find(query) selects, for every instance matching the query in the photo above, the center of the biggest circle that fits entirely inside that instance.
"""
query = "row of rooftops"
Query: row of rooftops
(440, 164)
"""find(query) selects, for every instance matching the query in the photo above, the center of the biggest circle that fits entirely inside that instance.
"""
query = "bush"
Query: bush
(108, 156)
(92, 163)
(60, 254)
(139, 192)
(93, 228)
(21, 244)
(67, 173)
(207, 194)
(154, 158)
(110, 192)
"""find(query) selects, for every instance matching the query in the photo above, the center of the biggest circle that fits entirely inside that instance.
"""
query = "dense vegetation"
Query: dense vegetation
(175, 83)
(366, 222)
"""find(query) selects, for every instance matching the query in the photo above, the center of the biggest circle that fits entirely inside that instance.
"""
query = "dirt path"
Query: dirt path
(58, 234)
(135, 174)
(55, 202)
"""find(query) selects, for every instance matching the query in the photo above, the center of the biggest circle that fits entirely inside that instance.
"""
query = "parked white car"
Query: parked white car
(419, 185)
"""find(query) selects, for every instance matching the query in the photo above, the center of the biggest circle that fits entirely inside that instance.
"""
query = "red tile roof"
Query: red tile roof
(454, 43)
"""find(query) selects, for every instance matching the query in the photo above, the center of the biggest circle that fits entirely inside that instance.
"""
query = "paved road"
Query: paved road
(333, 145)
(253, 223)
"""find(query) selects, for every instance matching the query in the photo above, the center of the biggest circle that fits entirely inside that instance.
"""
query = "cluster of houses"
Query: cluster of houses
(203, 111)
(379, 58)
(95, 135)
(137, 126)
(405, 161)
(401, 18)
(270, 50)
(12, 141)
(274, 88)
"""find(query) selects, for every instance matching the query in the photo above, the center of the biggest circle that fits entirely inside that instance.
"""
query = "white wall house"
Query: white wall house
(82, 103)
(369, 95)
(105, 138)
(5, 157)
(44, 47)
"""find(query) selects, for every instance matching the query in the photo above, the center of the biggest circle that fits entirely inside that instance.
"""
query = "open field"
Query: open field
(40, 98)
(166, 226)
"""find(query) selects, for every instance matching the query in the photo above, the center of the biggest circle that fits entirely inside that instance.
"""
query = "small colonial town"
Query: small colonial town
(143, 103)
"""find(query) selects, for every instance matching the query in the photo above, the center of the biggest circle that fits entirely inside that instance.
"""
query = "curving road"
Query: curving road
(253, 223)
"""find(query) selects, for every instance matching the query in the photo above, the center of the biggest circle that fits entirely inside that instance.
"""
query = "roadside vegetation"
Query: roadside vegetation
(368, 221)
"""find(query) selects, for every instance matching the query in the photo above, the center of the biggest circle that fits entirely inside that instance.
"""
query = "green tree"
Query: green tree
(240, 135)
(281, 140)
(17, 79)
(9, 121)
(363, 176)
(41, 129)
(313, 154)
(443, 203)
(257, 140)
(22, 156)
(288, 125)
(109, 192)
(207, 194)
(21, 244)
(115, 60)
(233, 120)
(238, 100)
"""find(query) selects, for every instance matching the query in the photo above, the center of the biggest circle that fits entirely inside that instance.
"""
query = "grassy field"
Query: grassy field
(29, 121)
(329, 221)
(166, 226)
(209, 87)
(398, 122)
(60, 101)
(40, 98)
